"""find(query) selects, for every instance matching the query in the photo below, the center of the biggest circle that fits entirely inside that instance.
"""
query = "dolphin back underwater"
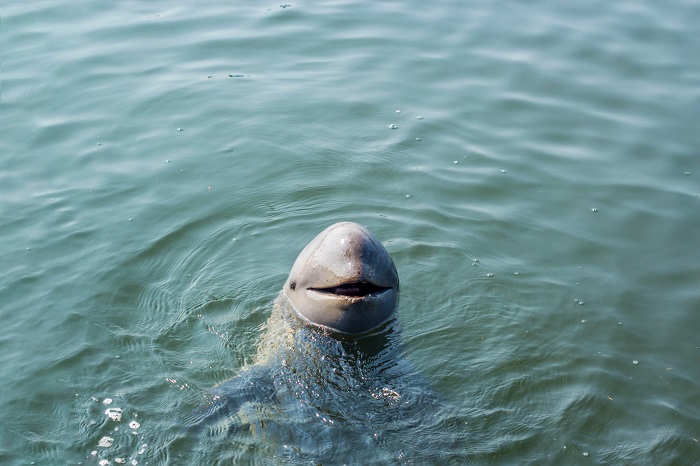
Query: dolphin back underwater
(329, 382)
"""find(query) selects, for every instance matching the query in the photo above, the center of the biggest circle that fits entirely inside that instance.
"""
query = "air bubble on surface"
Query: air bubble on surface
(114, 414)
(105, 442)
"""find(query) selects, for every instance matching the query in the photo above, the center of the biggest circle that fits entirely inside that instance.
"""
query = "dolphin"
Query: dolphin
(329, 370)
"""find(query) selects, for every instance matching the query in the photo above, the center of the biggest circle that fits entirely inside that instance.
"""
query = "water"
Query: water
(164, 163)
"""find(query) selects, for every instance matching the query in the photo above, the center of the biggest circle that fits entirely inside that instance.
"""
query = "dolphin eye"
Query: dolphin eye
(293, 285)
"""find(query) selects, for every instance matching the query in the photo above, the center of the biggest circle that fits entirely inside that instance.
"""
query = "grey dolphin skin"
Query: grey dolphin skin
(344, 280)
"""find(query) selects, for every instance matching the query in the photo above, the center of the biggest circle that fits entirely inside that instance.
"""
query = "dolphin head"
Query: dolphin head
(344, 280)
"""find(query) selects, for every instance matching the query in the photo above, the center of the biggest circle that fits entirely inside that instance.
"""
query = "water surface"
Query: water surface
(532, 169)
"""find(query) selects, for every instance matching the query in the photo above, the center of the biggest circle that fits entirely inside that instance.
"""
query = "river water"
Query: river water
(531, 167)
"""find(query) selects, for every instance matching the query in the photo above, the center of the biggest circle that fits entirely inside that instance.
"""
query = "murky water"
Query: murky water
(533, 170)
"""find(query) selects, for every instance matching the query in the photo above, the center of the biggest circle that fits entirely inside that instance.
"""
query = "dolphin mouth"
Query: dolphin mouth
(353, 290)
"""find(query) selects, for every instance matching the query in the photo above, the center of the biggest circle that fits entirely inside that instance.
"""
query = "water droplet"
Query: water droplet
(417, 139)
(393, 126)
(503, 171)
(398, 111)
(455, 162)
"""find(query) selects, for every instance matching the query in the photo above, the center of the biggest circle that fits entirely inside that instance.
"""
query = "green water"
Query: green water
(163, 163)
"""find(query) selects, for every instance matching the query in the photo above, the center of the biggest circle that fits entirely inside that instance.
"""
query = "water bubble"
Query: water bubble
(134, 425)
(398, 111)
(594, 210)
(105, 442)
(107, 401)
(179, 129)
(503, 171)
(103, 462)
(393, 126)
(635, 362)
(584, 321)
(687, 173)
(585, 453)
(417, 139)
(408, 196)
(489, 275)
(119, 460)
(419, 117)
(114, 414)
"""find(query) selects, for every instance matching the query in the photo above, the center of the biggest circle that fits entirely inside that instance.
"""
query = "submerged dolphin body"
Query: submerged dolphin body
(329, 378)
